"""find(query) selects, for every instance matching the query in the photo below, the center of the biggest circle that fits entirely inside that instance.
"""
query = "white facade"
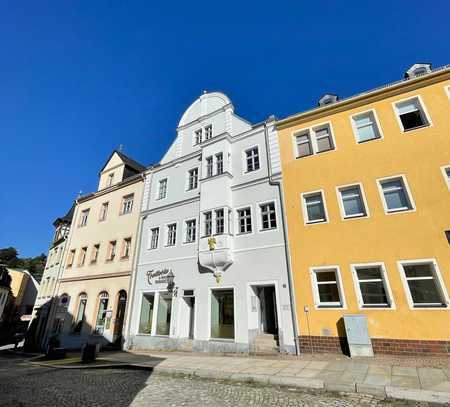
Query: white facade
(230, 284)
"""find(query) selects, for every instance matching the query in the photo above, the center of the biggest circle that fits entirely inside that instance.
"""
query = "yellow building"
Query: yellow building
(367, 198)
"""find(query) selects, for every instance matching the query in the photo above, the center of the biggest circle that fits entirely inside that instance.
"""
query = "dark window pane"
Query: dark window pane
(424, 292)
(329, 293)
(326, 276)
(418, 270)
(412, 120)
(373, 293)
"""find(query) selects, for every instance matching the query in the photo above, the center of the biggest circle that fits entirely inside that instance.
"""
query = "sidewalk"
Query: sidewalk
(383, 377)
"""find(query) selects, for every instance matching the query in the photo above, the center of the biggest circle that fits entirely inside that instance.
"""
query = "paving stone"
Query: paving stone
(377, 390)
(377, 380)
(340, 386)
(380, 370)
(404, 371)
(316, 365)
(409, 382)
(308, 373)
(302, 382)
(417, 395)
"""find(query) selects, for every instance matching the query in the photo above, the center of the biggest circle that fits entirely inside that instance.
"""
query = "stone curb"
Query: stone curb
(103, 366)
(378, 391)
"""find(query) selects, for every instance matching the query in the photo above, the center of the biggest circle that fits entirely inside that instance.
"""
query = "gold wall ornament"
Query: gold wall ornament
(212, 243)
(218, 277)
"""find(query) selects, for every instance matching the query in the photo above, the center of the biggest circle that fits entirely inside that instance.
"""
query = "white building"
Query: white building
(212, 218)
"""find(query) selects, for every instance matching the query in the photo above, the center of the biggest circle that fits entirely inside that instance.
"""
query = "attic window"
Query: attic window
(328, 99)
(417, 70)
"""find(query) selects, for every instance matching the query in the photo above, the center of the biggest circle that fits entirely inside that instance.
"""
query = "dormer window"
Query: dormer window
(417, 70)
(328, 99)
(110, 180)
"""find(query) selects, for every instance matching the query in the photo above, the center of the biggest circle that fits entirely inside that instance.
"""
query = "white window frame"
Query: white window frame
(385, 280)
(407, 190)
(188, 177)
(211, 289)
(208, 130)
(203, 223)
(185, 229)
(207, 175)
(216, 159)
(313, 139)
(355, 129)
(200, 131)
(156, 294)
(82, 223)
(244, 159)
(103, 214)
(306, 220)
(260, 221)
(236, 224)
(341, 203)
(150, 235)
(327, 306)
(444, 169)
(447, 91)
(126, 199)
(166, 236)
(424, 111)
(437, 276)
(158, 195)
(215, 232)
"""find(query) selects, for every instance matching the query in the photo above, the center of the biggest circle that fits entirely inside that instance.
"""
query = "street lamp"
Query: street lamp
(170, 284)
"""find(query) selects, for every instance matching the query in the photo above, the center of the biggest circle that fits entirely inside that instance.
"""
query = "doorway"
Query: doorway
(268, 310)
(120, 316)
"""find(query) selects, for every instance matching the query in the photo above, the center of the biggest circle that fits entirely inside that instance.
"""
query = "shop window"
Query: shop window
(222, 314)
(145, 321)
(101, 313)
(79, 320)
(164, 314)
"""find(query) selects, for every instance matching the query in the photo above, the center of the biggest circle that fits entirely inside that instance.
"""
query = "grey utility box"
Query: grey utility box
(358, 337)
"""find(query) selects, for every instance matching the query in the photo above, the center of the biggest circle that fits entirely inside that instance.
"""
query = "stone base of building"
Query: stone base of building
(145, 342)
(334, 344)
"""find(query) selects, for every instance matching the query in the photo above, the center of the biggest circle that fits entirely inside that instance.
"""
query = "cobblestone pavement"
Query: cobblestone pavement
(24, 385)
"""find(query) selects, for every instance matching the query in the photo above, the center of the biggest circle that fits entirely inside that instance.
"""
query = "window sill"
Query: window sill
(125, 258)
(394, 211)
(244, 233)
(416, 128)
(268, 229)
(362, 216)
(369, 140)
(329, 307)
(316, 222)
(222, 340)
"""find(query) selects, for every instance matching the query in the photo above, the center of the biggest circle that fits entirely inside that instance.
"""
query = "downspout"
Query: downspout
(134, 268)
(286, 249)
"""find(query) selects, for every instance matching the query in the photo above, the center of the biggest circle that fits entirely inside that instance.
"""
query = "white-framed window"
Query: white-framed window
(352, 201)
(252, 159)
(219, 163)
(171, 234)
(94, 254)
(244, 218)
(268, 216)
(154, 238)
(111, 254)
(314, 210)
(80, 317)
(222, 313)
(314, 140)
(127, 204)
(209, 166)
(411, 114)
(372, 286)
(146, 316)
(366, 126)
(220, 221)
(162, 188)
(446, 173)
(101, 313)
(193, 178)
(191, 230)
(395, 194)
(323, 138)
(198, 136)
(423, 284)
(208, 132)
(103, 211)
(71, 258)
(84, 218)
(327, 287)
(207, 222)
(164, 314)
(126, 248)
(110, 180)
(303, 143)
(82, 256)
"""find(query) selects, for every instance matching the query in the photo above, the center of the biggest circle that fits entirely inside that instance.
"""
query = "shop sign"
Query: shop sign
(158, 276)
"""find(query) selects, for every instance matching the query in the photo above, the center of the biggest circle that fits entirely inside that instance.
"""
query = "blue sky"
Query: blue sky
(77, 79)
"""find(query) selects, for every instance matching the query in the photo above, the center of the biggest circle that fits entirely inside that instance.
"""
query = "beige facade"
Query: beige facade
(93, 290)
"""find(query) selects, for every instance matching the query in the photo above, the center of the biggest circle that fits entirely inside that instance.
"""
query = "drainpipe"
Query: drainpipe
(134, 269)
(286, 249)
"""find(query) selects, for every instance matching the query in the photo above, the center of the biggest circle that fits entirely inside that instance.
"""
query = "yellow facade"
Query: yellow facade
(421, 155)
